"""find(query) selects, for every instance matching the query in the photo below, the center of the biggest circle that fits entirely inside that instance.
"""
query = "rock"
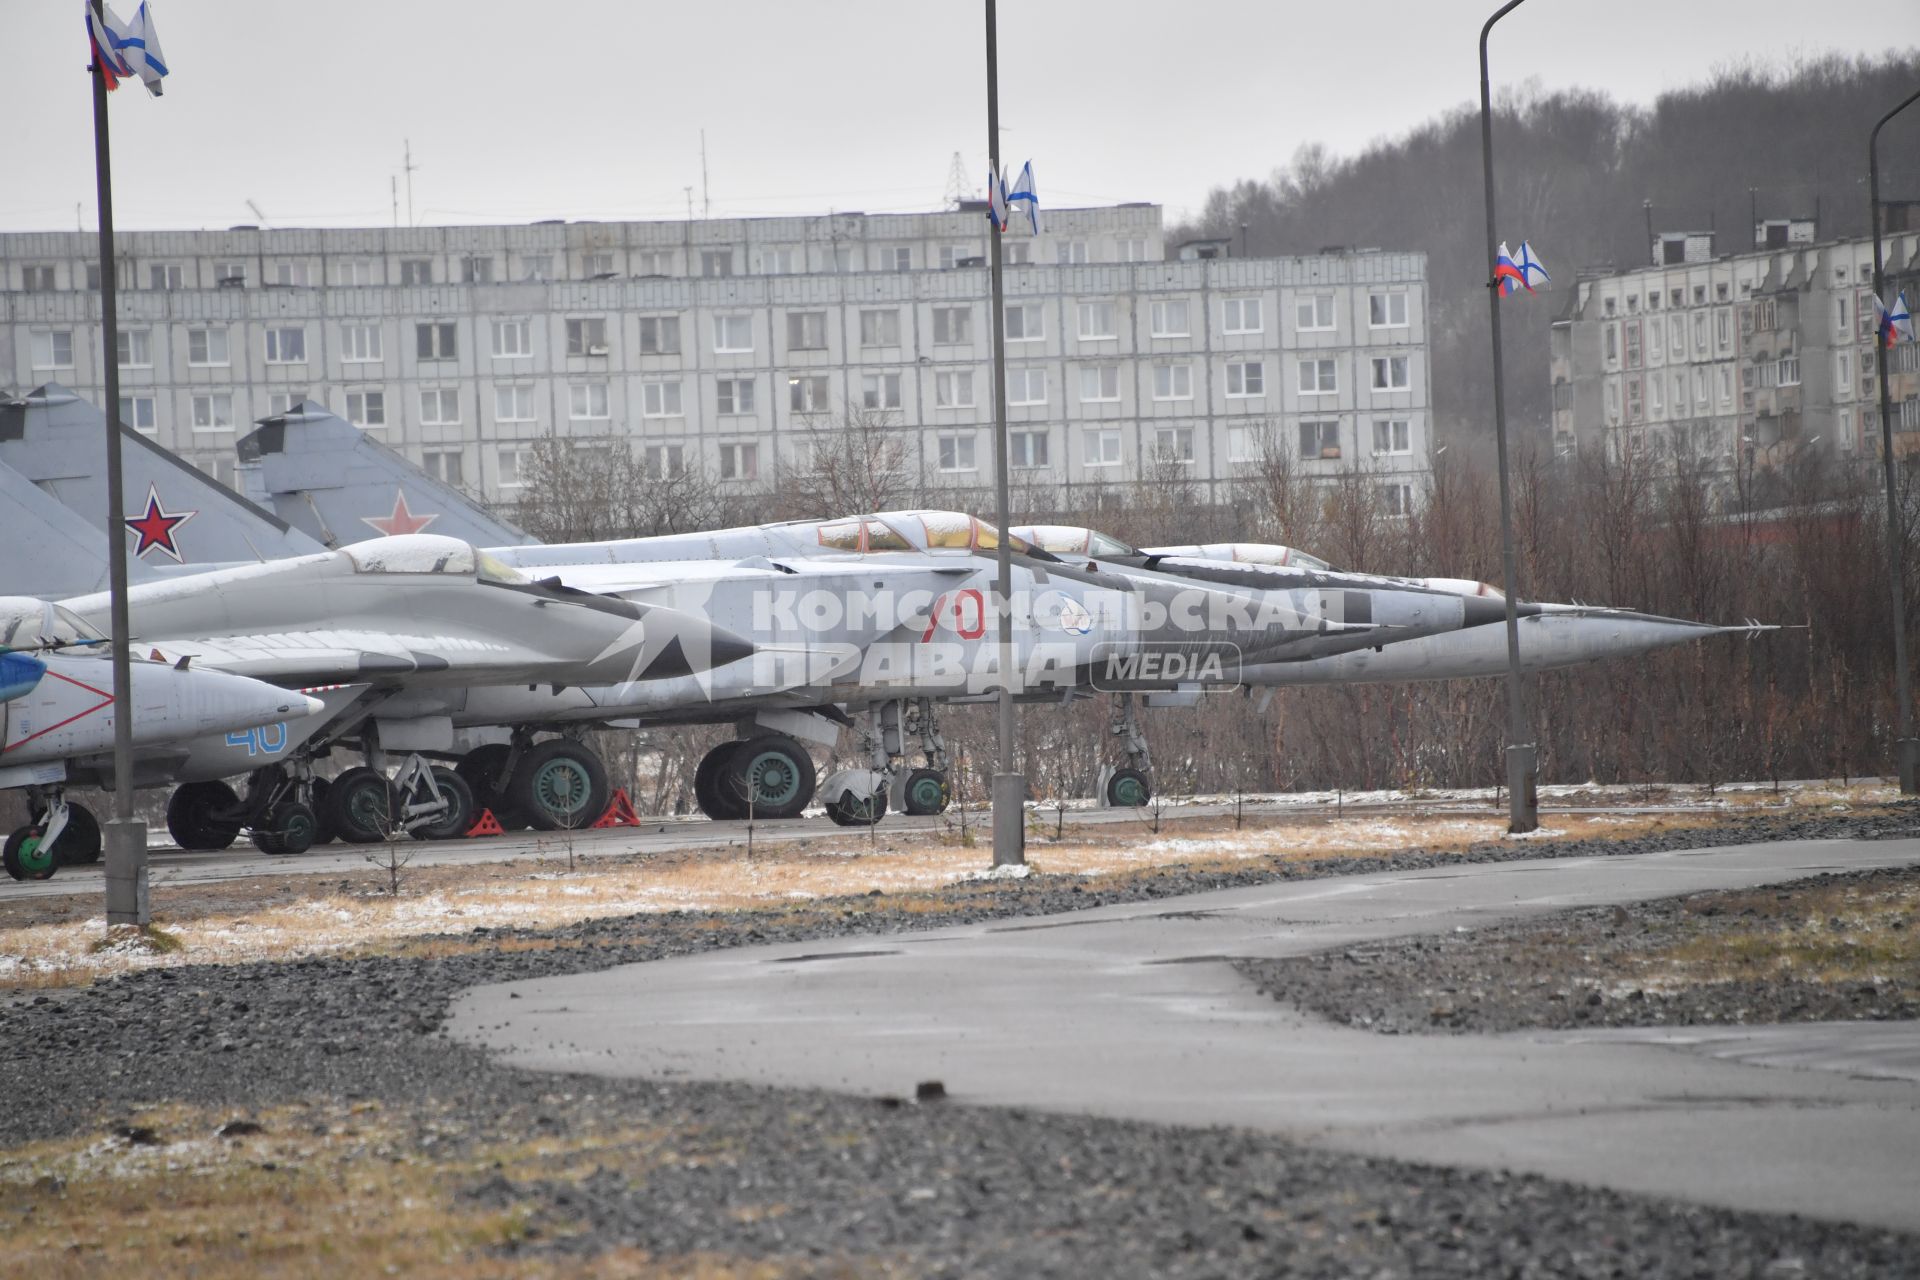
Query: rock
(930, 1091)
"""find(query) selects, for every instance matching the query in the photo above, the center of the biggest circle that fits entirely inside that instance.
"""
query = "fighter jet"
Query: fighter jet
(396, 635)
(57, 725)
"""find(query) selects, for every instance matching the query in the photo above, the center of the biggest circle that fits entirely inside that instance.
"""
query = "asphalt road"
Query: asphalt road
(1130, 1011)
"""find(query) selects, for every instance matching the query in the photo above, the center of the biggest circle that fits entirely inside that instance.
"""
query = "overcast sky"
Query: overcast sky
(593, 108)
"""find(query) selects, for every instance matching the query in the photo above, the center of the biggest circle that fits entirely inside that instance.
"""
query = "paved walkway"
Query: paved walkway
(1130, 1011)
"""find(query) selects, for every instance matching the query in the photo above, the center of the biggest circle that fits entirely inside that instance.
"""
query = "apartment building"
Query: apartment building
(732, 345)
(1741, 359)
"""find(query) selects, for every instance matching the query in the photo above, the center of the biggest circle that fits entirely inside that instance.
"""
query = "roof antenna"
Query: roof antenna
(257, 212)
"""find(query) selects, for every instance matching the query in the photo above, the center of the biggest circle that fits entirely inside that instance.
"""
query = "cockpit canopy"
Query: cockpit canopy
(1072, 540)
(429, 553)
(914, 531)
(26, 623)
(1267, 553)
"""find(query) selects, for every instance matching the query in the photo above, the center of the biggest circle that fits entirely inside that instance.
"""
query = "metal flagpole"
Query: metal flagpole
(125, 837)
(1009, 787)
(1906, 750)
(1523, 811)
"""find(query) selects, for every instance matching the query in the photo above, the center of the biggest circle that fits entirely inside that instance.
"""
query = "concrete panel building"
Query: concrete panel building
(730, 345)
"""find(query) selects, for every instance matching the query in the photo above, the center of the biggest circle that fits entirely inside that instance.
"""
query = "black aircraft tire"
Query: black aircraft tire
(559, 784)
(22, 856)
(322, 831)
(360, 805)
(1129, 789)
(189, 819)
(927, 793)
(706, 784)
(80, 842)
(484, 769)
(289, 828)
(461, 809)
(848, 810)
(783, 769)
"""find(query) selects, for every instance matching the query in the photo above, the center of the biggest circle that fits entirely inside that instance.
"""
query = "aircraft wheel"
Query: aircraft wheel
(460, 808)
(289, 828)
(1129, 789)
(927, 792)
(322, 832)
(559, 784)
(79, 844)
(484, 770)
(191, 819)
(774, 771)
(360, 805)
(26, 858)
(707, 793)
(849, 810)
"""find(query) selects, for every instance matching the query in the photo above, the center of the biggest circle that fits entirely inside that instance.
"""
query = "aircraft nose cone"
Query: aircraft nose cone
(728, 647)
(305, 705)
(1479, 611)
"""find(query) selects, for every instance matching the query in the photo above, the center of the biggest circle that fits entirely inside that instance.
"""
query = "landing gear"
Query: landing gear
(848, 808)
(771, 776)
(454, 800)
(289, 827)
(926, 792)
(714, 802)
(61, 834)
(361, 805)
(28, 855)
(559, 785)
(204, 816)
(1131, 786)
(1128, 789)
(317, 789)
(927, 789)
(80, 843)
(484, 770)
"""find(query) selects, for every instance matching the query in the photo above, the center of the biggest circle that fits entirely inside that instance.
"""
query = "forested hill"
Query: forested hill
(1574, 169)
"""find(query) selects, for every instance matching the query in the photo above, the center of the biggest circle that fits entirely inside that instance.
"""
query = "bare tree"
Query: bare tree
(856, 462)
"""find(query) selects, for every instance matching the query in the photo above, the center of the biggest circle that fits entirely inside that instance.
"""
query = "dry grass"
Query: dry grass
(282, 917)
(323, 1190)
(1828, 935)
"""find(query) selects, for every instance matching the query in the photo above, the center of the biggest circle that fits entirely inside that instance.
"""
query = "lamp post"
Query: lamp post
(1906, 750)
(1523, 809)
(1009, 787)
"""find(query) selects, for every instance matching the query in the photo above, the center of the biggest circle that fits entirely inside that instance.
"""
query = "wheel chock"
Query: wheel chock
(619, 813)
(486, 825)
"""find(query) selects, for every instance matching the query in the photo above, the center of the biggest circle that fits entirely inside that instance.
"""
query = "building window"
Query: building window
(37, 278)
(359, 343)
(1173, 444)
(732, 333)
(1320, 439)
(660, 400)
(954, 255)
(739, 460)
(136, 348)
(53, 348)
(444, 465)
(1243, 315)
(138, 412)
(280, 402)
(1700, 388)
(1027, 385)
(1722, 332)
(953, 389)
(1026, 450)
(1173, 382)
(952, 326)
(893, 258)
(512, 339)
(1387, 310)
(1392, 435)
(1633, 344)
(513, 402)
(1072, 253)
(1246, 444)
(1398, 498)
(416, 271)
(881, 328)
(1016, 253)
(807, 394)
(367, 408)
(957, 452)
(354, 271)
(659, 335)
(1655, 332)
(1847, 440)
(476, 270)
(536, 266)
(587, 401)
(286, 346)
(231, 275)
(1613, 403)
(1250, 377)
(596, 266)
(439, 406)
(166, 275)
(880, 390)
(1633, 399)
(784, 262)
(1133, 249)
(1843, 373)
(1097, 320)
(1100, 448)
(1099, 382)
(806, 331)
(1390, 373)
(1026, 322)
(510, 465)
(1612, 333)
(587, 336)
(435, 341)
(734, 395)
(716, 262)
(1170, 319)
(1789, 371)
(664, 461)
(1313, 311)
(213, 412)
(290, 273)
(1678, 329)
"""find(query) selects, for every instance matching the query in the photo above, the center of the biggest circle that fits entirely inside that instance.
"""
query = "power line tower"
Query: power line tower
(958, 187)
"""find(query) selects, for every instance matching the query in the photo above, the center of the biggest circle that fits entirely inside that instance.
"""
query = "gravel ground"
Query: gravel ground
(1672, 962)
(824, 1184)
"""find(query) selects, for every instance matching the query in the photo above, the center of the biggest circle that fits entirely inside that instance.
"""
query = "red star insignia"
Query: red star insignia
(156, 527)
(402, 520)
